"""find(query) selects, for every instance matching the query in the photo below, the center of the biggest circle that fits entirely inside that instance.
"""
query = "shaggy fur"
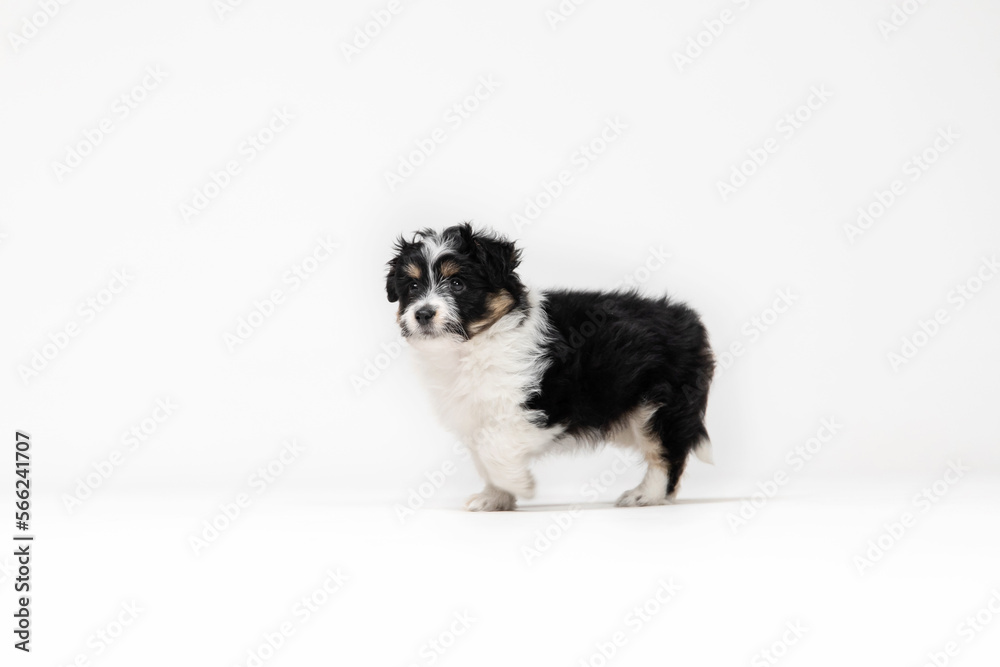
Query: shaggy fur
(516, 373)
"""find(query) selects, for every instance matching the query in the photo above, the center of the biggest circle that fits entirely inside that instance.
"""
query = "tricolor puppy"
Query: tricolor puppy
(517, 373)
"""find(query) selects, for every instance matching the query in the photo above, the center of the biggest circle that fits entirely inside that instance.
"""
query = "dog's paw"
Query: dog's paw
(490, 500)
(639, 498)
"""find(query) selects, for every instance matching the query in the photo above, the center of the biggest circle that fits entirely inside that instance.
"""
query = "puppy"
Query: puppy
(517, 373)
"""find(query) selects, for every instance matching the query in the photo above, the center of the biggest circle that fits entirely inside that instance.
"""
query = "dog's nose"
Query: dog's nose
(425, 314)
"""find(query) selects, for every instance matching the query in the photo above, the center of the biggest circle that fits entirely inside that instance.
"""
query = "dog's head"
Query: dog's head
(453, 284)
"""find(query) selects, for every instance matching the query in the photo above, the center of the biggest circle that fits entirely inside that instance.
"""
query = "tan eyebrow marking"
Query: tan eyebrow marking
(412, 270)
(449, 268)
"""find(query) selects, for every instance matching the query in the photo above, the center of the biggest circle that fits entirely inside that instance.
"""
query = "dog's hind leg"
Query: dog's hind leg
(665, 435)
(680, 428)
(652, 489)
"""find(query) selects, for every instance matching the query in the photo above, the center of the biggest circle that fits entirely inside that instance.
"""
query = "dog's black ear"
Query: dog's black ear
(392, 266)
(499, 256)
(390, 281)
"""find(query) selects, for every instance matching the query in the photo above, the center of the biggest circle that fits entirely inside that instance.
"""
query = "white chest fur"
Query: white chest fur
(479, 386)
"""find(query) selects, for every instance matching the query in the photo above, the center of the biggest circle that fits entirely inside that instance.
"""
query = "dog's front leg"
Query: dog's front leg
(491, 498)
(502, 453)
(506, 462)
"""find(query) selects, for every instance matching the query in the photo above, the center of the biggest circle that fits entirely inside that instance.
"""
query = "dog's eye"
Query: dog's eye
(457, 285)
(414, 286)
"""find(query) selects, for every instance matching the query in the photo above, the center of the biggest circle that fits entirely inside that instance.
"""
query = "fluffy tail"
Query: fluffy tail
(704, 451)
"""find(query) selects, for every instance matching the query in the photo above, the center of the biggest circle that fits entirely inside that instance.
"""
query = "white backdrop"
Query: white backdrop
(817, 179)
